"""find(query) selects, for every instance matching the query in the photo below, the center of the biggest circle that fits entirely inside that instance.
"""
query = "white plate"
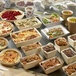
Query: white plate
(44, 31)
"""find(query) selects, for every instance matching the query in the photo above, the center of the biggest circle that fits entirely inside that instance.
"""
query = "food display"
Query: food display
(27, 23)
(5, 28)
(51, 64)
(49, 50)
(25, 37)
(32, 48)
(52, 18)
(55, 32)
(31, 61)
(69, 55)
(12, 14)
(61, 43)
(3, 43)
(70, 69)
(45, 64)
(10, 57)
(37, 33)
(72, 40)
(66, 14)
(71, 24)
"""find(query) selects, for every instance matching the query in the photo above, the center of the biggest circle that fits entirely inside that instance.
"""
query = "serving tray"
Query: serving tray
(45, 30)
(37, 25)
(17, 17)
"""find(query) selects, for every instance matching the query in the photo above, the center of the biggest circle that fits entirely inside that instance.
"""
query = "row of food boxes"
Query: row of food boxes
(27, 41)
(50, 65)
(23, 42)
(49, 51)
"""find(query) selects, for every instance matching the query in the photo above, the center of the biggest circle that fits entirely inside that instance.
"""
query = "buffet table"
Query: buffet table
(37, 71)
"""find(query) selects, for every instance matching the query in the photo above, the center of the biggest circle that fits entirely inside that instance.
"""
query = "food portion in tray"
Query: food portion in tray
(55, 32)
(25, 37)
(10, 57)
(61, 44)
(12, 14)
(70, 69)
(5, 28)
(31, 61)
(69, 55)
(72, 40)
(32, 48)
(28, 22)
(49, 50)
(51, 65)
(61, 41)
(51, 18)
(3, 43)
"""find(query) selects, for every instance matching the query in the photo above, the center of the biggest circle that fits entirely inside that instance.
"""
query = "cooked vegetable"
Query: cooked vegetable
(61, 41)
(67, 12)
(55, 32)
(54, 15)
(46, 21)
(51, 18)
(72, 20)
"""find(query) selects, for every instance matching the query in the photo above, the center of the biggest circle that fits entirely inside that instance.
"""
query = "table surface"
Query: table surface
(43, 42)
